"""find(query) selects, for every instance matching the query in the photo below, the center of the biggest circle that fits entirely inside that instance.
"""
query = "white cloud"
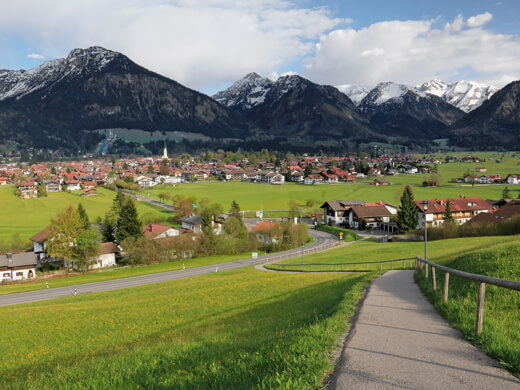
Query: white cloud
(412, 52)
(35, 56)
(479, 20)
(196, 42)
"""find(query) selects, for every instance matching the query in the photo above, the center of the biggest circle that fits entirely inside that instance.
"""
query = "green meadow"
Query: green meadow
(243, 329)
(441, 252)
(500, 337)
(27, 217)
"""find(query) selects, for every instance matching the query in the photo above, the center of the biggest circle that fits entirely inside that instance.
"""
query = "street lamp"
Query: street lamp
(303, 246)
(425, 207)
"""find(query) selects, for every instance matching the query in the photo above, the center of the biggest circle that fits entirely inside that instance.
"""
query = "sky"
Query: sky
(208, 44)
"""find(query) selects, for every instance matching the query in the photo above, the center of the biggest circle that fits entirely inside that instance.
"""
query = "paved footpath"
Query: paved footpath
(399, 341)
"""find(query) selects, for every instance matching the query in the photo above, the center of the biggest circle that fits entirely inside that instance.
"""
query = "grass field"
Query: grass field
(347, 235)
(442, 251)
(119, 273)
(501, 333)
(28, 216)
(242, 329)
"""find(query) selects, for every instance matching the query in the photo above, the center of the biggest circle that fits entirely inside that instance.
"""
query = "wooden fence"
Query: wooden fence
(422, 267)
(365, 266)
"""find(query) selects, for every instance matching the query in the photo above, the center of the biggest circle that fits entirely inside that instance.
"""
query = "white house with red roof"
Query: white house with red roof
(462, 210)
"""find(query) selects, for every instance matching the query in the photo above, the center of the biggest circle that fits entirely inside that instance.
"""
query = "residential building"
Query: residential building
(156, 231)
(336, 211)
(462, 210)
(107, 252)
(17, 266)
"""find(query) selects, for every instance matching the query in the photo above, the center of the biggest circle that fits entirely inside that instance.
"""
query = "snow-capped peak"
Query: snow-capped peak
(465, 95)
(247, 92)
(18, 83)
(355, 92)
(386, 91)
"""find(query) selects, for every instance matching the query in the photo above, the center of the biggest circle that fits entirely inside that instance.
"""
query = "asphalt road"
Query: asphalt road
(399, 341)
(322, 241)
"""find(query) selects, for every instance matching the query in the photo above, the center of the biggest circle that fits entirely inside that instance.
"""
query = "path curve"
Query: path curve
(399, 341)
(322, 241)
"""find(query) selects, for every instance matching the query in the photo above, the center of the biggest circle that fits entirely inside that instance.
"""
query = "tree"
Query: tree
(448, 218)
(42, 191)
(107, 229)
(506, 193)
(234, 210)
(87, 249)
(83, 215)
(294, 209)
(128, 223)
(65, 229)
(362, 224)
(150, 168)
(164, 168)
(407, 214)
(208, 240)
(308, 170)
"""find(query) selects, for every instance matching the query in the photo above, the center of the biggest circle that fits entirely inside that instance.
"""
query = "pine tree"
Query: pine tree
(448, 218)
(234, 210)
(506, 194)
(107, 229)
(128, 223)
(407, 215)
(308, 170)
(83, 215)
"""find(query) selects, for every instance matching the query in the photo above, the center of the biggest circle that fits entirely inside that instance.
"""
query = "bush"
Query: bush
(46, 267)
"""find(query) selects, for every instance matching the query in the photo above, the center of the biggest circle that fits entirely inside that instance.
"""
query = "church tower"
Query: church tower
(165, 152)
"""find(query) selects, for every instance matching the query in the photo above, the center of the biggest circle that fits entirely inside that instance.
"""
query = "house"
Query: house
(17, 266)
(329, 178)
(470, 159)
(508, 211)
(380, 182)
(275, 178)
(39, 245)
(313, 179)
(192, 223)
(89, 184)
(513, 179)
(89, 192)
(4, 181)
(266, 232)
(52, 185)
(481, 169)
(374, 215)
(462, 210)
(297, 176)
(107, 252)
(336, 211)
(72, 185)
(27, 190)
(155, 231)
(146, 181)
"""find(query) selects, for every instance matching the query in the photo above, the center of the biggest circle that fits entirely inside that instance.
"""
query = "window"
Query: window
(6, 275)
(19, 274)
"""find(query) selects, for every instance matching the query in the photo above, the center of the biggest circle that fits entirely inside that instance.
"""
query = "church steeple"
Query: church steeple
(165, 152)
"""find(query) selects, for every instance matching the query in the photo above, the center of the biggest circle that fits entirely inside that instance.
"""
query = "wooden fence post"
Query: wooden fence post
(480, 307)
(446, 286)
(426, 265)
(434, 280)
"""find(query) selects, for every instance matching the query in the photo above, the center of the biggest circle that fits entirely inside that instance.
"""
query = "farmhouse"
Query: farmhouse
(462, 210)
(374, 216)
(39, 245)
(265, 232)
(107, 252)
(336, 211)
(513, 179)
(17, 266)
(156, 231)
(27, 189)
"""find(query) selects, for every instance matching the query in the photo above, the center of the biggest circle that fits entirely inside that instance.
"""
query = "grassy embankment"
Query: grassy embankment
(441, 252)
(500, 337)
(348, 235)
(232, 330)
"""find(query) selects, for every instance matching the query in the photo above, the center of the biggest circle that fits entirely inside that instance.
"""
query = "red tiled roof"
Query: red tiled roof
(457, 204)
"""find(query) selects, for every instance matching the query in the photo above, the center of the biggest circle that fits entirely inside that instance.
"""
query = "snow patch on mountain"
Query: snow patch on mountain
(465, 95)
(355, 92)
(18, 83)
(247, 92)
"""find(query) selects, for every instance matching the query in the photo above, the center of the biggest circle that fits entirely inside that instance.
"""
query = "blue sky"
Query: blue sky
(208, 44)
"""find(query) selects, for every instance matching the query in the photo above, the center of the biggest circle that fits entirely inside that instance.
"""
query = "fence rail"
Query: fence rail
(482, 279)
(344, 267)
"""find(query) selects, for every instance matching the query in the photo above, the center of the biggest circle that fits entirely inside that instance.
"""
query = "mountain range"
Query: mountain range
(68, 103)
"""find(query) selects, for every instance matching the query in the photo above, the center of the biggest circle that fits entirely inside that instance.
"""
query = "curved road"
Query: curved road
(322, 241)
